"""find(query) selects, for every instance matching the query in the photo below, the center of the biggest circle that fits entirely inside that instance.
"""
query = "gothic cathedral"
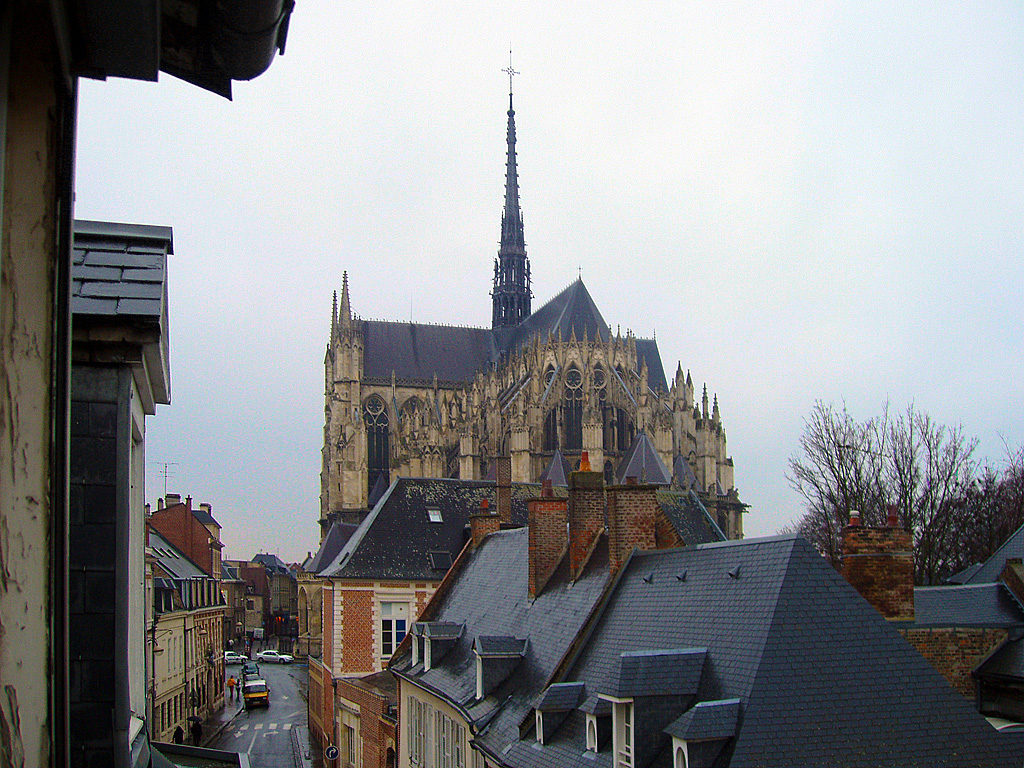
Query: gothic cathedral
(420, 400)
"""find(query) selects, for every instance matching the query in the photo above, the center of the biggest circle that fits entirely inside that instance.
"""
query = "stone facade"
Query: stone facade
(456, 429)
(438, 401)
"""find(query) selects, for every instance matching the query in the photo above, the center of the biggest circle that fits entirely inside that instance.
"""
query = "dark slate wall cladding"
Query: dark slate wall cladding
(98, 395)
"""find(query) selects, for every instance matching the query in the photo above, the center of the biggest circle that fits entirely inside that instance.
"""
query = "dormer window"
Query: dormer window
(591, 733)
(434, 515)
(622, 715)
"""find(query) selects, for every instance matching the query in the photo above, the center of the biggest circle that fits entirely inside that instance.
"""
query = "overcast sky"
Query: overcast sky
(803, 200)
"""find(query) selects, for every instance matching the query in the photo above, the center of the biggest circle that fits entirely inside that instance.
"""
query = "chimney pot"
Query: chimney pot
(484, 504)
(631, 480)
(892, 517)
(545, 489)
(585, 461)
(854, 517)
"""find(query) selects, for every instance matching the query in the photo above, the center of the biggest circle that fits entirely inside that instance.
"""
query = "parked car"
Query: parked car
(230, 657)
(274, 657)
(255, 693)
(250, 670)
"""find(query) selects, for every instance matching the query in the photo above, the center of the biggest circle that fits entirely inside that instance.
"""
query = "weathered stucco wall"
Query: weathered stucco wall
(28, 254)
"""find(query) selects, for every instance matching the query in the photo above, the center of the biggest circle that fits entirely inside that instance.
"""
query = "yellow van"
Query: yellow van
(255, 693)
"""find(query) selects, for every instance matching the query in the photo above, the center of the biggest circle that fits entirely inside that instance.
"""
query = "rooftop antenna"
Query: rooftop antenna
(165, 471)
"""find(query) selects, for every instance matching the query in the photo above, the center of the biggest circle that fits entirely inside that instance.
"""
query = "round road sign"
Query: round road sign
(331, 753)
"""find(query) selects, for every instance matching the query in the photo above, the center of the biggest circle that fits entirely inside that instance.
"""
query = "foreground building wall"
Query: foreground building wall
(37, 111)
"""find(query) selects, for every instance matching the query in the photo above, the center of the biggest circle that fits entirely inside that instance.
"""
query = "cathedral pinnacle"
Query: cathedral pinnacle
(345, 316)
(511, 292)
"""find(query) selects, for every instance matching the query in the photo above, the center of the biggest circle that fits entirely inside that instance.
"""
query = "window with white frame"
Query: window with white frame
(680, 757)
(393, 620)
(449, 738)
(622, 712)
(350, 746)
(418, 731)
(591, 733)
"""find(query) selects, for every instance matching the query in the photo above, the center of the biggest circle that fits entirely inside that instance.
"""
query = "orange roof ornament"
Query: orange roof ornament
(585, 461)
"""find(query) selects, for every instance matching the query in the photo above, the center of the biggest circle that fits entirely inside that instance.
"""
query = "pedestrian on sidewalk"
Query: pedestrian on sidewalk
(197, 732)
(232, 685)
(179, 735)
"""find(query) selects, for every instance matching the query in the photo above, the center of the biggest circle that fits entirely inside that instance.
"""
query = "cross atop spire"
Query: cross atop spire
(511, 73)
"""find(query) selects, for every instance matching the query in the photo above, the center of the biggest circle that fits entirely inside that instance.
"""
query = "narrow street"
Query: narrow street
(274, 736)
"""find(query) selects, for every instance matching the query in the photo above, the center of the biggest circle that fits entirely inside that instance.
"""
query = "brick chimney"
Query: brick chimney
(879, 563)
(586, 518)
(632, 518)
(503, 481)
(547, 531)
(482, 524)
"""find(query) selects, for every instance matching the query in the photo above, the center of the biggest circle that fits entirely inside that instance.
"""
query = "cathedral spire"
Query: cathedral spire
(345, 316)
(511, 292)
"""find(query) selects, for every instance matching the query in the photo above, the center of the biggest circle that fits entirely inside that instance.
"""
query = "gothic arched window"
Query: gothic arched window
(573, 410)
(378, 455)
(551, 431)
(624, 430)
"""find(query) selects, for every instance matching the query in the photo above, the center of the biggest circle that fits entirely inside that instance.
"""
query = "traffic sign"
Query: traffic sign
(331, 753)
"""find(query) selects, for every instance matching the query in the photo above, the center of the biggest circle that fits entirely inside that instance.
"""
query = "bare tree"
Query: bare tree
(924, 469)
(838, 471)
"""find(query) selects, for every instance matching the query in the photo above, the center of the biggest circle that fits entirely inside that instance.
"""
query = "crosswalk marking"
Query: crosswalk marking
(272, 726)
(243, 727)
(287, 726)
(258, 726)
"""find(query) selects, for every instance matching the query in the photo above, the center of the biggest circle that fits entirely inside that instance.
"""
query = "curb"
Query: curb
(214, 733)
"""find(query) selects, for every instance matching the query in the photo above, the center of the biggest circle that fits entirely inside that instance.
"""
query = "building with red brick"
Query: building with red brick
(970, 632)
(386, 572)
(732, 654)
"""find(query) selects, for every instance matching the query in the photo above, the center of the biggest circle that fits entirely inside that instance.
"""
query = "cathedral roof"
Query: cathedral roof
(642, 462)
(419, 351)
(558, 471)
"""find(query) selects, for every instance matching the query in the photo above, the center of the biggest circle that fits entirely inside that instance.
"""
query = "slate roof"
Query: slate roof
(396, 538)
(455, 354)
(171, 559)
(658, 673)
(707, 720)
(558, 470)
(119, 269)
(119, 277)
(1006, 662)
(418, 351)
(689, 516)
(272, 562)
(971, 605)
(337, 535)
(560, 697)
(991, 568)
(490, 596)
(821, 678)
(204, 517)
(642, 461)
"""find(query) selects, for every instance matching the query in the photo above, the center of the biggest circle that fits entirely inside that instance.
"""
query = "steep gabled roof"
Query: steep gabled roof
(805, 671)
(418, 351)
(397, 538)
(989, 571)
(969, 605)
(337, 535)
(642, 461)
(491, 598)
(558, 471)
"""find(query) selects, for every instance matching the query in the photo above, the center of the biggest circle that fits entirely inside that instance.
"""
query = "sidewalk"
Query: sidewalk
(215, 724)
